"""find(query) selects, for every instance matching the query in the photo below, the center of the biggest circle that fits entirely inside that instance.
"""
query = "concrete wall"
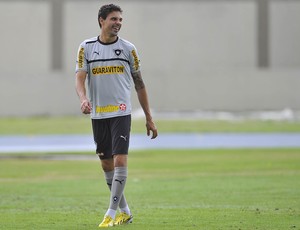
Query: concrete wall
(196, 55)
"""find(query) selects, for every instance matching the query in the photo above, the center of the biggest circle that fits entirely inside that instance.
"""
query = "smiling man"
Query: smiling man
(110, 63)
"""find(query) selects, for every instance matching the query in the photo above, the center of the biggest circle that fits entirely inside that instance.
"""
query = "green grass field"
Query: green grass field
(199, 189)
(166, 189)
(82, 124)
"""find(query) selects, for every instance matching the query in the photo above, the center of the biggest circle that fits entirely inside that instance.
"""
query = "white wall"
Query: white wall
(195, 55)
(285, 34)
(25, 37)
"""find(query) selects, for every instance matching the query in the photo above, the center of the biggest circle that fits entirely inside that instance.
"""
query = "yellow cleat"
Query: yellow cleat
(123, 218)
(107, 222)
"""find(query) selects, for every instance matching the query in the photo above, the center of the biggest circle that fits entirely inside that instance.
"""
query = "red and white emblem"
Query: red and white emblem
(122, 107)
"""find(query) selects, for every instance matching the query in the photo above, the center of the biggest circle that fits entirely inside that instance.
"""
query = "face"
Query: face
(112, 24)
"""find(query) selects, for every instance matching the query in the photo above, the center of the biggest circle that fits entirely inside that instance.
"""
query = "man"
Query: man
(109, 62)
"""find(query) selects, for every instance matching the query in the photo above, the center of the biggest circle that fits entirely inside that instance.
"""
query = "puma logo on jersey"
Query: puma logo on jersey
(95, 52)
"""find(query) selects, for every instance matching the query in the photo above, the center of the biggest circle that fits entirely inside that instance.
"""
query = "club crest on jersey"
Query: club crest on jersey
(122, 107)
(118, 52)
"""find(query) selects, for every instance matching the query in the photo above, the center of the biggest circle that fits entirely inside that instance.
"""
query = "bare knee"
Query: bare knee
(120, 160)
(107, 165)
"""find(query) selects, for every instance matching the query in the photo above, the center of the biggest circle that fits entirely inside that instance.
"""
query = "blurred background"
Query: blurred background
(196, 55)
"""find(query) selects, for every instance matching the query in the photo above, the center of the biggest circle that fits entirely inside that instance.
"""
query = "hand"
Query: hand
(151, 128)
(86, 107)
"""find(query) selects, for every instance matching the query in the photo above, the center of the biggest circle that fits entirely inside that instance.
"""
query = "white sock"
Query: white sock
(111, 213)
(126, 210)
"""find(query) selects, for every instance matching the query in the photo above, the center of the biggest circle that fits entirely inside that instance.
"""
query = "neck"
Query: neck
(107, 39)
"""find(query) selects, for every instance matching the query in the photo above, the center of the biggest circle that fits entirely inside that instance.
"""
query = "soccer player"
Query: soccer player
(110, 63)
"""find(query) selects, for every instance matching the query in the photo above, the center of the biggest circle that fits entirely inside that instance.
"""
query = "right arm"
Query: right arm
(86, 106)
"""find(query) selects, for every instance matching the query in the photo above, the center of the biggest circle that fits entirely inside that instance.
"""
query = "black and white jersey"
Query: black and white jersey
(109, 68)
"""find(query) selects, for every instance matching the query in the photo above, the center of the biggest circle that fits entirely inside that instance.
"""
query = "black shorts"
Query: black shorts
(111, 136)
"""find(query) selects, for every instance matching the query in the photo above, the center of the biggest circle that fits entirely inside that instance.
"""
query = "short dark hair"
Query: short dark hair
(106, 10)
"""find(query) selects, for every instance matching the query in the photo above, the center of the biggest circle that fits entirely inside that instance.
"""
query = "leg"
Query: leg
(116, 180)
(117, 183)
(120, 129)
(108, 166)
(115, 170)
(117, 190)
(102, 139)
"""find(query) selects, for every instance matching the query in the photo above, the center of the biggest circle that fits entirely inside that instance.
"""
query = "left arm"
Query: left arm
(144, 102)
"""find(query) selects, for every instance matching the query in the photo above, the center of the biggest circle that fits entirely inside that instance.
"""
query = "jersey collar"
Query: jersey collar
(107, 43)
